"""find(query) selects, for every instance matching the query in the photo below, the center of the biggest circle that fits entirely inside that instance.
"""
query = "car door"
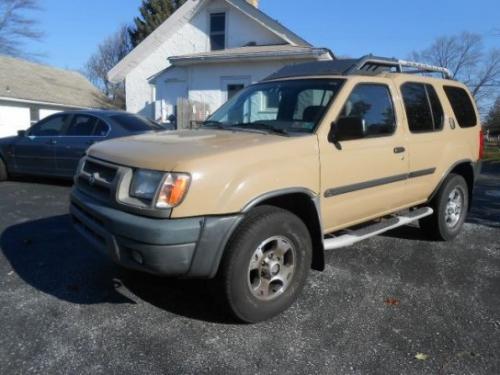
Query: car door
(364, 177)
(82, 131)
(34, 153)
(428, 140)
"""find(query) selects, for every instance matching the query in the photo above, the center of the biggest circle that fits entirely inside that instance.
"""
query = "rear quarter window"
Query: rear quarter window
(462, 106)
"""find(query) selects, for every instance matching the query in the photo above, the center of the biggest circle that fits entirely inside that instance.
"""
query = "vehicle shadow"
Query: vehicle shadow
(51, 257)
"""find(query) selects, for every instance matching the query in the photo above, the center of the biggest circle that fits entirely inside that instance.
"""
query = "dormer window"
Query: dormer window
(217, 31)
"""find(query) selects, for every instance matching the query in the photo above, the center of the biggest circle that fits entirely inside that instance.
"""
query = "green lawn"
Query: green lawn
(492, 153)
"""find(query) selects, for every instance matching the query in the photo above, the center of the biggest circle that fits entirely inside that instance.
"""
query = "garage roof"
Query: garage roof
(28, 81)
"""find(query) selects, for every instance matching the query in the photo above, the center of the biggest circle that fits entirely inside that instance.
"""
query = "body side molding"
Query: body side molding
(377, 182)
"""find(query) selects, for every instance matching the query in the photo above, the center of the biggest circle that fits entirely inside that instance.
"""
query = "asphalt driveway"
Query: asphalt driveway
(66, 309)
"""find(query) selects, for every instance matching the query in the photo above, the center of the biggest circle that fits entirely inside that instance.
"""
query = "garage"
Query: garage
(44, 112)
(29, 92)
(12, 119)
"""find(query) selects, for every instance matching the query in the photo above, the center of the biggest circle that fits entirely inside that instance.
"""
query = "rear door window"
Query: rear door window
(462, 106)
(101, 129)
(81, 126)
(423, 108)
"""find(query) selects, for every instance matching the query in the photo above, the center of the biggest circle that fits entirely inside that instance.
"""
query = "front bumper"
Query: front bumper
(191, 247)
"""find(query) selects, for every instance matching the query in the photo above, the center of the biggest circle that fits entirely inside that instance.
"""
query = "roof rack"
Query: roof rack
(368, 65)
(378, 64)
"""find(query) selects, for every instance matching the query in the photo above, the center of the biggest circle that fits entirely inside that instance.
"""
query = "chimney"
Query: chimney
(255, 3)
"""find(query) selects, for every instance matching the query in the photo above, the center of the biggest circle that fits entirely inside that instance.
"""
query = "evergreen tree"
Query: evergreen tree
(153, 14)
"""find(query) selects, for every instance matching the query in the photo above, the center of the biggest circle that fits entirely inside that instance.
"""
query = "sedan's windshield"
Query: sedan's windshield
(282, 107)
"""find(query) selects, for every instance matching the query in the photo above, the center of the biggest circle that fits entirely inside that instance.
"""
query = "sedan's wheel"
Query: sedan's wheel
(265, 264)
(3, 170)
(450, 206)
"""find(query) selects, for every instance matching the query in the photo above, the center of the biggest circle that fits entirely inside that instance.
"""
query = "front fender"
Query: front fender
(230, 183)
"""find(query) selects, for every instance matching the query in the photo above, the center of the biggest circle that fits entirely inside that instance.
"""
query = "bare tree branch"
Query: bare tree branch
(466, 58)
(16, 27)
(108, 54)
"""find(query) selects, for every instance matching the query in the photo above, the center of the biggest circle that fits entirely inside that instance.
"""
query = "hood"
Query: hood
(168, 151)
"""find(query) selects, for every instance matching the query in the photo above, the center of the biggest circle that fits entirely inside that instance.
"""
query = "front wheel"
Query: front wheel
(266, 264)
(450, 205)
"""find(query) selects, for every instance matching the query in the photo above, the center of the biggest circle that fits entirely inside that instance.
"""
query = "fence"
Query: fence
(190, 113)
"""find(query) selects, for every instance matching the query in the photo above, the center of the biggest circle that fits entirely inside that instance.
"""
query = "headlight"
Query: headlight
(169, 189)
(145, 184)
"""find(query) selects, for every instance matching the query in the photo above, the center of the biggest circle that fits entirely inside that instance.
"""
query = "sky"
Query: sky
(74, 28)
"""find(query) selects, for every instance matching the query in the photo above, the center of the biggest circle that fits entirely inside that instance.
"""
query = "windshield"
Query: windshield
(286, 107)
(135, 123)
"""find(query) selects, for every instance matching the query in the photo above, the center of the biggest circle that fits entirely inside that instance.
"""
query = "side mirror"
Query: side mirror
(21, 133)
(347, 128)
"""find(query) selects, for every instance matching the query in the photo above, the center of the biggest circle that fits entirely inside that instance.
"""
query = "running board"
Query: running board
(357, 235)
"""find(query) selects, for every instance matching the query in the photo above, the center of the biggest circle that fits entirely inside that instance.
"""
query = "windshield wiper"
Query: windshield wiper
(263, 126)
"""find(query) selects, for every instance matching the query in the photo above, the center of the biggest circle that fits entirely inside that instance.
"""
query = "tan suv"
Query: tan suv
(316, 157)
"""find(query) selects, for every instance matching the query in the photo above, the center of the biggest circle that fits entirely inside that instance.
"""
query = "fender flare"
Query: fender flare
(316, 231)
(475, 169)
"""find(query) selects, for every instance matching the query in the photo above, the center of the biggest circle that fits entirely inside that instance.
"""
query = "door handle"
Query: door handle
(90, 143)
(399, 150)
(52, 142)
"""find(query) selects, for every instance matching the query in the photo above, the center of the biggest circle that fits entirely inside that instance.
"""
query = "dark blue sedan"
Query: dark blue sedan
(54, 145)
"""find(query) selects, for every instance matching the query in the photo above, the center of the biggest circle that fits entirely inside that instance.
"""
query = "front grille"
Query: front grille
(98, 179)
(104, 172)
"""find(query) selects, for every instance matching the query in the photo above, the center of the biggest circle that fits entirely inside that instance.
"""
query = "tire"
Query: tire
(266, 263)
(450, 205)
(3, 171)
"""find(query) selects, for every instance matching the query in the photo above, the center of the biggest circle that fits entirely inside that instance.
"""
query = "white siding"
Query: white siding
(12, 119)
(207, 81)
(191, 38)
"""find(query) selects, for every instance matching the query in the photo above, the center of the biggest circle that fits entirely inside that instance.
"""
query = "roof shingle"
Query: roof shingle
(20, 79)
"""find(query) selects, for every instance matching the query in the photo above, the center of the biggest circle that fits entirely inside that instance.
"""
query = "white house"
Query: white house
(30, 91)
(205, 52)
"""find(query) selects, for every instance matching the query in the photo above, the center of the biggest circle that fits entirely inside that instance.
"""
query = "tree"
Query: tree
(108, 54)
(153, 14)
(16, 27)
(493, 118)
(465, 56)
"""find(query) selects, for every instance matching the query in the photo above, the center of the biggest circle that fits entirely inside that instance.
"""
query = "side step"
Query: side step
(357, 235)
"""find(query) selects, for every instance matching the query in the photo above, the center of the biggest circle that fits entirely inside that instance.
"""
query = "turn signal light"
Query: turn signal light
(173, 190)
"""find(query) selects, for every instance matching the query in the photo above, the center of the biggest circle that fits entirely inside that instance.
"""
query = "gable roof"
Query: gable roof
(28, 81)
(182, 16)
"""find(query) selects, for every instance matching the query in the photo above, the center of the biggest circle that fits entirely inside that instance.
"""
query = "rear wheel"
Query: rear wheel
(3, 170)
(266, 264)
(450, 205)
